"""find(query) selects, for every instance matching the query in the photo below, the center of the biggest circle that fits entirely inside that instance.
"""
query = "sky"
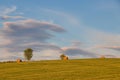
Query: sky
(76, 28)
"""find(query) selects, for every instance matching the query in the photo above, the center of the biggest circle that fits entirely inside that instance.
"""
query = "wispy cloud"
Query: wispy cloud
(102, 37)
(108, 5)
(76, 43)
(75, 52)
(11, 17)
(103, 43)
(64, 16)
(117, 48)
(7, 11)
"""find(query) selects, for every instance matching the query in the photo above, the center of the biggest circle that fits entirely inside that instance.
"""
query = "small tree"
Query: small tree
(62, 56)
(28, 53)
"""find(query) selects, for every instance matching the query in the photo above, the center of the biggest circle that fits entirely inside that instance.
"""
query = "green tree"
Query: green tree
(28, 53)
(62, 56)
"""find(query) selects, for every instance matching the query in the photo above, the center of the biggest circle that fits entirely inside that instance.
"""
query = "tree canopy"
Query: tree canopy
(28, 53)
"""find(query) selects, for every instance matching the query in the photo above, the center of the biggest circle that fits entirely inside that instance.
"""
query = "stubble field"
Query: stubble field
(82, 69)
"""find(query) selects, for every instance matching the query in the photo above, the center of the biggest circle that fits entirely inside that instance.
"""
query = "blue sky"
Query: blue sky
(77, 28)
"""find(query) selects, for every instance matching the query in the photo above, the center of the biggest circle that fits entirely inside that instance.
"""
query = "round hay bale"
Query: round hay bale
(65, 58)
(19, 60)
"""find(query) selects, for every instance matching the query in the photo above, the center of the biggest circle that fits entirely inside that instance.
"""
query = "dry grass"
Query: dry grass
(84, 69)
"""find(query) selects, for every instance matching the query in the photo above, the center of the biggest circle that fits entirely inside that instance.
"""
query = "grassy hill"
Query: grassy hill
(84, 69)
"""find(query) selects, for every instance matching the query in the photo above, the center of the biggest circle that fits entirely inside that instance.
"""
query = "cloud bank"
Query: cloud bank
(19, 35)
(75, 52)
